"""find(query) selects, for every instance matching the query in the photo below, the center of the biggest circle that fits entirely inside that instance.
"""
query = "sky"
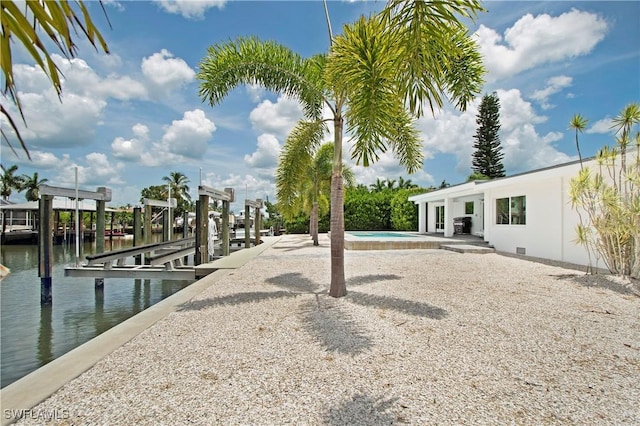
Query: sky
(129, 118)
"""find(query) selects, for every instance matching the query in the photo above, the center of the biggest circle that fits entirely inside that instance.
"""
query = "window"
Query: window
(511, 211)
(468, 207)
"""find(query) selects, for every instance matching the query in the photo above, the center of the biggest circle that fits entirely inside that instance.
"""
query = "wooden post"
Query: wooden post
(247, 236)
(148, 212)
(185, 231)
(100, 230)
(137, 232)
(100, 225)
(166, 233)
(45, 248)
(202, 230)
(256, 226)
(225, 228)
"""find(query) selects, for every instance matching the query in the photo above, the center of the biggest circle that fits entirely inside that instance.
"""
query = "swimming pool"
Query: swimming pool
(373, 234)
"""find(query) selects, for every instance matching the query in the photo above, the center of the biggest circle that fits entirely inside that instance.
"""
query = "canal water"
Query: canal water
(32, 335)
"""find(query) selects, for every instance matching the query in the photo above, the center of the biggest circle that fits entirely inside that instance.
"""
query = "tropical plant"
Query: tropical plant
(32, 186)
(405, 184)
(487, 157)
(154, 192)
(404, 213)
(607, 200)
(374, 81)
(303, 181)
(10, 181)
(178, 183)
(579, 123)
(25, 22)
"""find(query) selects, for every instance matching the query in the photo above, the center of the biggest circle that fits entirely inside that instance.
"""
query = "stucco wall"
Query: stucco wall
(550, 229)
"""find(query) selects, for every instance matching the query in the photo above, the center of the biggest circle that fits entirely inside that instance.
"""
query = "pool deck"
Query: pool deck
(414, 240)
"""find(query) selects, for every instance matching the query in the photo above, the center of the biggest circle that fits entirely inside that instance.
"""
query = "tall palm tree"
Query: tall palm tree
(32, 185)
(374, 81)
(579, 123)
(25, 23)
(10, 181)
(406, 184)
(379, 186)
(178, 183)
(303, 182)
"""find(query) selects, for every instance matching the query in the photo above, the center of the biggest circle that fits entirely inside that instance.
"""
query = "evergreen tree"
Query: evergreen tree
(487, 158)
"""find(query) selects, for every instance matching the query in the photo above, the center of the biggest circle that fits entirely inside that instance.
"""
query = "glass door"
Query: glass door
(439, 218)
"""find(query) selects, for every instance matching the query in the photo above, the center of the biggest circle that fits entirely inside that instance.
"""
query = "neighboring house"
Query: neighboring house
(528, 213)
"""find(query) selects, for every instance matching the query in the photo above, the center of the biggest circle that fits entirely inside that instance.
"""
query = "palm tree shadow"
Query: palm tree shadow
(409, 307)
(235, 299)
(295, 281)
(363, 409)
(333, 328)
(604, 281)
(372, 278)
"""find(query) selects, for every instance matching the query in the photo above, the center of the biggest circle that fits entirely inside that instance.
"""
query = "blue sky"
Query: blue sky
(129, 118)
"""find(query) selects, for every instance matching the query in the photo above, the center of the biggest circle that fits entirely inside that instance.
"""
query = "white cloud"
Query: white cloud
(601, 126)
(140, 131)
(71, 119)
(127, 149)
(554, 85)
(165, 72)
(534, 41)
(190, 9)
(276, 118)
(266, 155)
(95, 170)
(523, 148)
(247, 186)
(255, 91)
(188, 137)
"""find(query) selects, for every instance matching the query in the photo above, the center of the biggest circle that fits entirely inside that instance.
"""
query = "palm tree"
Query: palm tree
(32, 185)
(579, 123)
(374, 81)
(406, 184)
(178, 183)
(391, 184)
(378, 186)
(303, 182)
(10, 181)
(25, 23)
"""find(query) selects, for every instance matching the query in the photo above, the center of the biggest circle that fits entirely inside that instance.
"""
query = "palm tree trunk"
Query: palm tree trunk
(338, 286)
(314, 224)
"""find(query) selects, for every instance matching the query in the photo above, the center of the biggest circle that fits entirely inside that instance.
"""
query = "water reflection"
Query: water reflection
(45, 336)
(33, 335)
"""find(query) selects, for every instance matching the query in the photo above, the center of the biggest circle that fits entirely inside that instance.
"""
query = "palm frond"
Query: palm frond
(274, 66)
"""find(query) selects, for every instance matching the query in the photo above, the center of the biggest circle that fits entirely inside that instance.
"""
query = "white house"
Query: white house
(529, 213)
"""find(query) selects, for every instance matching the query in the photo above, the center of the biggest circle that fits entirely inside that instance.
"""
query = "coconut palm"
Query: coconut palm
(10, 181)
(25, 22)
(178, 183)
(579, 123)
(303, 182)
(32, 185)
(374, 81)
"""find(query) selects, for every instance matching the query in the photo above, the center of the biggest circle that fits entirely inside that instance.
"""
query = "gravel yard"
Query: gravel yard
(423, 337)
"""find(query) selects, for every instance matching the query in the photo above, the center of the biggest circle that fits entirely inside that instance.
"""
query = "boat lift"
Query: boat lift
(162, 260)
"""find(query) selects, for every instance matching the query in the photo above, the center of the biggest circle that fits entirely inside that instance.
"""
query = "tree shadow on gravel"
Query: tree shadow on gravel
(295, 281)
(334, 328)
(372, 278)
(363, 410)
(235, 299)
(626, 287)
(409, 307)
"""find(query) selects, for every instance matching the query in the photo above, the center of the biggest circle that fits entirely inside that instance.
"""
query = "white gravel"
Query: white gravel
(423, 337)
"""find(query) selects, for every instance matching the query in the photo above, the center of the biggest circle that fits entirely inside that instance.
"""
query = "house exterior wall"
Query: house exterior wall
(549, 231)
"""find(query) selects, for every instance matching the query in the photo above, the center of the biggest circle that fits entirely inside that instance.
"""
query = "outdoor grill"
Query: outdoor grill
(462, 225)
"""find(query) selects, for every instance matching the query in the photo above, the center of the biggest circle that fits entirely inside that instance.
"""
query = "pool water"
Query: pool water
(364, 234)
